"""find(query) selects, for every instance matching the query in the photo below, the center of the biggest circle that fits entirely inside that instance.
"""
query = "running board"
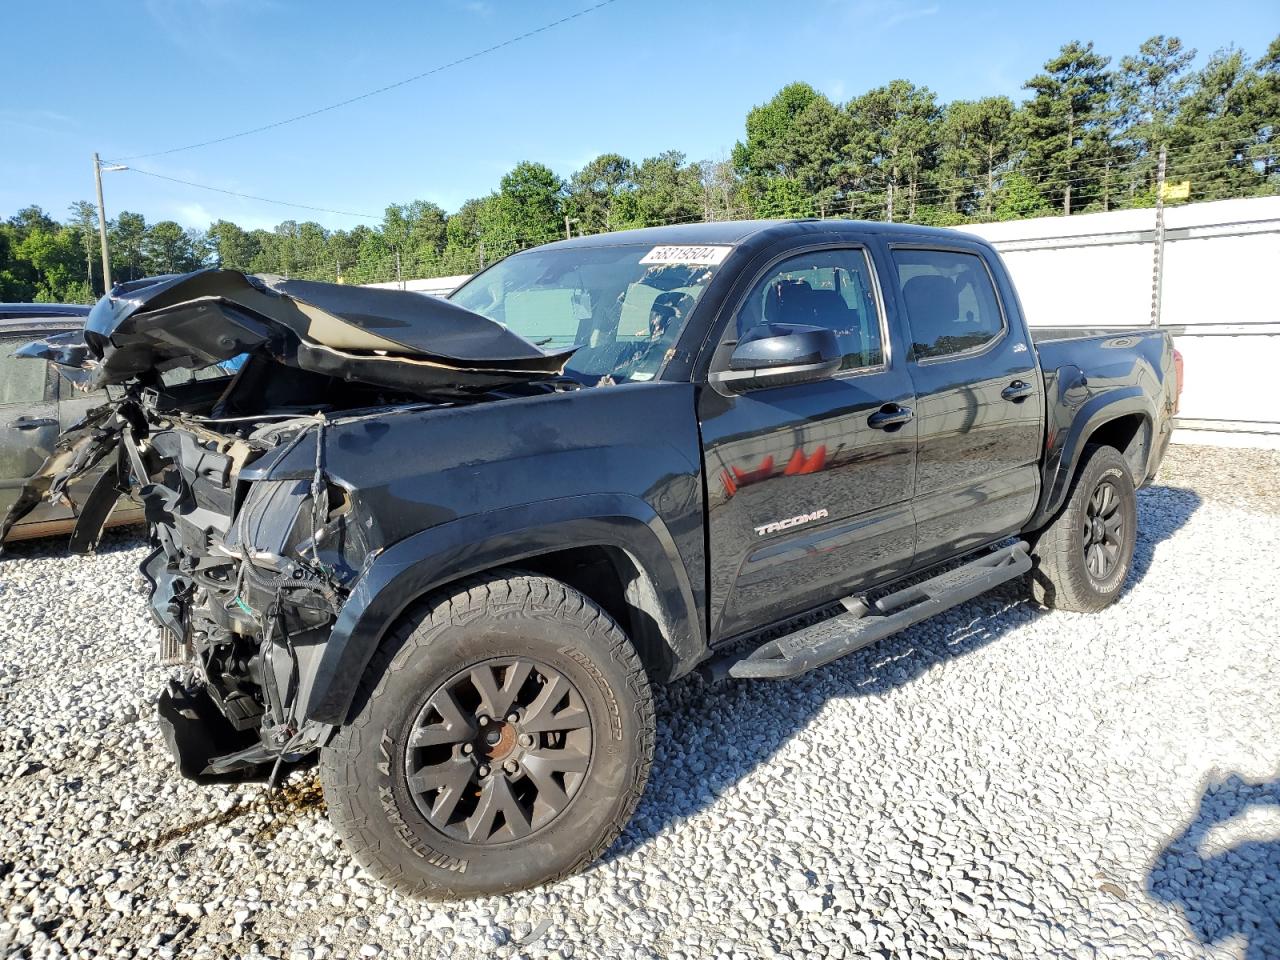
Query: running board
(863, 623)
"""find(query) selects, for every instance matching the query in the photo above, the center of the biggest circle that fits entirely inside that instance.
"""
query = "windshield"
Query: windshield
(625, 305)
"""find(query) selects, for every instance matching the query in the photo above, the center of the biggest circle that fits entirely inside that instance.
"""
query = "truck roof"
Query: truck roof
(734, 232)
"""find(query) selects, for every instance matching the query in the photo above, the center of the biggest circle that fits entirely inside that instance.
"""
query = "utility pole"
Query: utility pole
(568, 232)
(1157, 266)
(102, 227)
(399, 279)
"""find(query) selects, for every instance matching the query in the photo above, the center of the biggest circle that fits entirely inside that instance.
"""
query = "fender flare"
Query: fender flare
(419, 564)
(1092, 414)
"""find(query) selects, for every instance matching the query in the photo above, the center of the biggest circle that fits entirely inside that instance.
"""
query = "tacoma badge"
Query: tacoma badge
(791, 522)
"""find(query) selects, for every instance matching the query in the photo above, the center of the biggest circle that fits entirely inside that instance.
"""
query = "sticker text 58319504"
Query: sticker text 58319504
(702, 255)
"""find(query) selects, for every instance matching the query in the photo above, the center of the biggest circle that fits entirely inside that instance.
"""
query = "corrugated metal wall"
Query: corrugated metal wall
(1221, 294)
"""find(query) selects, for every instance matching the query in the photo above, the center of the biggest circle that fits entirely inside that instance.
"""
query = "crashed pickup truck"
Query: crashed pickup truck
(452, 545)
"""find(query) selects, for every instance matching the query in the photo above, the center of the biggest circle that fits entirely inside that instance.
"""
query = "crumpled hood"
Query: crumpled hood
(391, 338)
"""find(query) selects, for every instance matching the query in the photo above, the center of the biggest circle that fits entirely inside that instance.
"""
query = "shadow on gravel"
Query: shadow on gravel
(1234, 892)
(1161, 513)
(702, 748)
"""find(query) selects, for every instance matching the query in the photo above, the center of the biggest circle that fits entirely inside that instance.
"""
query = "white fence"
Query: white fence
(435, 286)
(1220, 297)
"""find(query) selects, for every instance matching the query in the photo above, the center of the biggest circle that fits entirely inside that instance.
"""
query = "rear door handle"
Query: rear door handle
(1018, 390)
(890, 417)
(34, 423)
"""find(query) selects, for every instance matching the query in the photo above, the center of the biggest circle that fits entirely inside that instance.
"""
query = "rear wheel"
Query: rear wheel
(502, 739)
(1083, 557)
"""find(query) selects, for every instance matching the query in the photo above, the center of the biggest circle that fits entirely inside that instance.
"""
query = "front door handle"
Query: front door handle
(1018, 390)
(890, 417)
(34, 423)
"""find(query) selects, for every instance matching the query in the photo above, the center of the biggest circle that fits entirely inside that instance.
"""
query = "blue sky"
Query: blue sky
(636, 77)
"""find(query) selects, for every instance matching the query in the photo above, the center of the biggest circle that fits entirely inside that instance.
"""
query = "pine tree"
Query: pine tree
(1150, 88)
(895, 132)
(1065, 125)
(976, 140)
(1220, 126)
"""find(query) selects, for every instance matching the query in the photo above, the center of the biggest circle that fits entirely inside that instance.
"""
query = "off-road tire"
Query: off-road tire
(505, 614)
(1061, 578)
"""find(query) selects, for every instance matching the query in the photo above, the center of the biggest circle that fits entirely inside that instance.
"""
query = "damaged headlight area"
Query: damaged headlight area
(246, 578)
(245, 593)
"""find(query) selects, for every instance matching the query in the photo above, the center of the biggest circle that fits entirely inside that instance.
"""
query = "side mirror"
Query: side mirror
(776, 354)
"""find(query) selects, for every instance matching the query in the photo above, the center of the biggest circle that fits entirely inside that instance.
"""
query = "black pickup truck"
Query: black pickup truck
(451, 545)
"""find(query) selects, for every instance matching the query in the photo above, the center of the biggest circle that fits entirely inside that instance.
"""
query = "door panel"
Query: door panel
(979, 403)
(964, 518)
(73, 404)
(807, 502)
(777, 454)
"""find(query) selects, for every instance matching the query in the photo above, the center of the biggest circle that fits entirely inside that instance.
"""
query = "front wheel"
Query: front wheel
(502, 738)
(1083, 557)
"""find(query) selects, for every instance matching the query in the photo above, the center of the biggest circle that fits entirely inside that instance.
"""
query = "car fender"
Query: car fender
(414, 567)
(1069, 441)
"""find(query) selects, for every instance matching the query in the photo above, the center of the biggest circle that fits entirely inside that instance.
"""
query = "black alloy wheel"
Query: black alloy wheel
(498, 751)
(1103, 530)
(1082, 557)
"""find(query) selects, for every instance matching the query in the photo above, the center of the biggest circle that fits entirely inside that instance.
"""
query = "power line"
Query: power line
(928, 193)
(383, 89)
(249, 196)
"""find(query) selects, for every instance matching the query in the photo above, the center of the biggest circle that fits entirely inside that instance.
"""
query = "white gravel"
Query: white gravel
(999, 781)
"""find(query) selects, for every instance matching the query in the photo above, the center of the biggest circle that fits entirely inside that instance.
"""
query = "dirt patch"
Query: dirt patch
(291, 802)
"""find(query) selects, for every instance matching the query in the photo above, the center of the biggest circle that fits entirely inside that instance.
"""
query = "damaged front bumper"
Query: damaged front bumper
(248, 574)
(245, 580)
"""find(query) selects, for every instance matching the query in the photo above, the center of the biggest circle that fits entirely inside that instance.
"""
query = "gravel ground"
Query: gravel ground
(999, 781)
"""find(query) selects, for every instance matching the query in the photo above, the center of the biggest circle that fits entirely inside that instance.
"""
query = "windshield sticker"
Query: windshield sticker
(702, 255)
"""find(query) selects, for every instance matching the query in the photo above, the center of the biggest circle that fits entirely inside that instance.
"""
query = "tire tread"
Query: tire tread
(536, 594)
(1058, 581)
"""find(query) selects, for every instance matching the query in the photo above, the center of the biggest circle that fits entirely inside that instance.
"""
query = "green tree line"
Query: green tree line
(1086, 137)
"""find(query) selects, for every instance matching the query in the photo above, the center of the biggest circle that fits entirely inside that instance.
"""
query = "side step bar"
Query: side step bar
(863, 624)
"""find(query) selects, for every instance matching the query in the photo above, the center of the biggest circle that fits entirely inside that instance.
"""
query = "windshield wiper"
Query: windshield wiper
(562, 380)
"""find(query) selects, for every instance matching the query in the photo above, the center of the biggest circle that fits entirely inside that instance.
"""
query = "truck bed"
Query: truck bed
(1104, 351)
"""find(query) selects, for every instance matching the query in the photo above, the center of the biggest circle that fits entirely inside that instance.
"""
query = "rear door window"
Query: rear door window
(21, 380)
(950, 301)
